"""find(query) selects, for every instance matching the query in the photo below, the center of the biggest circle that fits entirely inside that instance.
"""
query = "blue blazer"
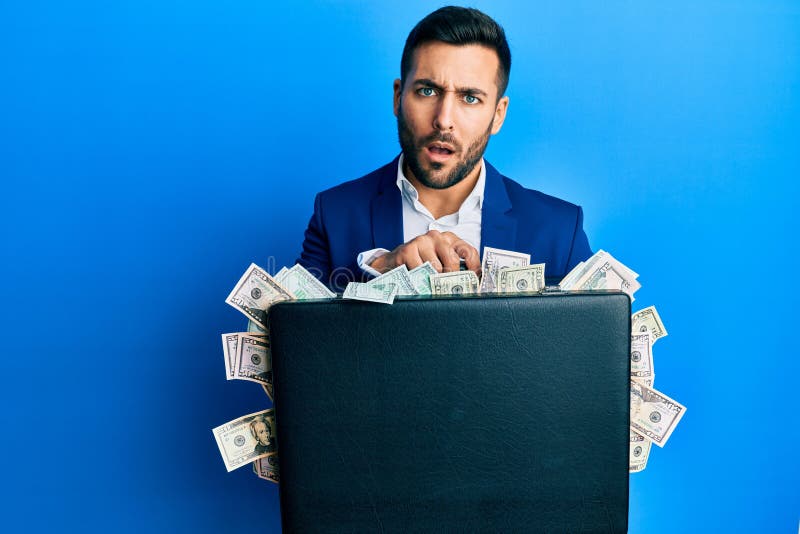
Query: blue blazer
(367, 213)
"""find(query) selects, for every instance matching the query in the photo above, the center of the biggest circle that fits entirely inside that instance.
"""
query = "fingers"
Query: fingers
(435, 247)
(412, 259)
(470, 255)
(443, 250)
(407, 254)
(427, 252)
(419, 250)
(443, 244)
(449, 237)
(447, 255)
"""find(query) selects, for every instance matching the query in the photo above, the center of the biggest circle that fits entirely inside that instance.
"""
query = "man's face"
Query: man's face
(263, 435)
(447, 110)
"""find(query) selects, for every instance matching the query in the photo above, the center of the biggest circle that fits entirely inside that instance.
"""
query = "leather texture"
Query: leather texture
(472, 414)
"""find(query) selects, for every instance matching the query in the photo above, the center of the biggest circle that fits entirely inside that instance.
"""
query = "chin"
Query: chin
(437, 182)
(437, 173)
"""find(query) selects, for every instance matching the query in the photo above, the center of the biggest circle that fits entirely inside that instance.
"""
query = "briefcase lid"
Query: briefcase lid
(504, 414)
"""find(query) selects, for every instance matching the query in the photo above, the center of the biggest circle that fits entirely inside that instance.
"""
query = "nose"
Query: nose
(443, 117)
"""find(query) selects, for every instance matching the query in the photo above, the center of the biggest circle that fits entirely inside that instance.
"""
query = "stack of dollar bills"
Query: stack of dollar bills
(653, 415)
(252, 439)
(503, 271)
(601, 271)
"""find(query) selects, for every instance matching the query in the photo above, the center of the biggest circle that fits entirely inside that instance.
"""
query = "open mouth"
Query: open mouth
(439, 151)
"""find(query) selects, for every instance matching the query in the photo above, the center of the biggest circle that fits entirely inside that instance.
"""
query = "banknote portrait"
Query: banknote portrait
(264, 435)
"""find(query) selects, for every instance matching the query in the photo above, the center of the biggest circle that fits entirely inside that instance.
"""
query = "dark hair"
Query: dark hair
(459, 26)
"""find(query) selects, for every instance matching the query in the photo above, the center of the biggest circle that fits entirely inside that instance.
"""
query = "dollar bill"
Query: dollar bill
(303, 285)
(246, 439)
(254, 328)
(399, 276)
(454, 283)
(579, 274)
(382, 295)
(608, 274)
(230, 345)
(519, 279)
(653, 414)
(639, 452)
(581, 269)
(254, 293)
(269, 391)
(267, 468)
(642, 358)
(280, 274)
(421, 278)
(495, 259)
(602, 254)
(254, 360)
(569, 279)
(648, 320)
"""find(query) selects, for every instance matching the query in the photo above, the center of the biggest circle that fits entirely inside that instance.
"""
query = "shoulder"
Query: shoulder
(533, 201)
(366, 186)
(524, 196)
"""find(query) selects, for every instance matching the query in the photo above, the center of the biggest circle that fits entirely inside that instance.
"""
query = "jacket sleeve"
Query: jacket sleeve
(580, 250)
(315, 256)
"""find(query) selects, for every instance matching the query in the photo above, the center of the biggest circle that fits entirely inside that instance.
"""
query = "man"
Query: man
(439, 201)
(263, 433)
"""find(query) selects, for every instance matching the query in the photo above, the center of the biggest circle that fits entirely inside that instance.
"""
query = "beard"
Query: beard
(432, 178)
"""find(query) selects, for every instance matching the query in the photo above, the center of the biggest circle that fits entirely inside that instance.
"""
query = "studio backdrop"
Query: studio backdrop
(149, 151)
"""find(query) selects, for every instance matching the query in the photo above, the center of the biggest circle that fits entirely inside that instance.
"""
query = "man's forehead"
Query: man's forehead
(452, 66)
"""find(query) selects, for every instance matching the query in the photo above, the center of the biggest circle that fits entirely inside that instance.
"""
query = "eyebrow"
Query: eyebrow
(462, 90)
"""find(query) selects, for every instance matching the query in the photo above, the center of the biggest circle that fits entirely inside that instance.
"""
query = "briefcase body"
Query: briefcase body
(472, 414)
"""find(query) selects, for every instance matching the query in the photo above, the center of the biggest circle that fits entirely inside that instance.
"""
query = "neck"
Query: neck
(441, 202)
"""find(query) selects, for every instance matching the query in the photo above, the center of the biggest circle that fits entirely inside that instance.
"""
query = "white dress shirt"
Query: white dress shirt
(417, 219)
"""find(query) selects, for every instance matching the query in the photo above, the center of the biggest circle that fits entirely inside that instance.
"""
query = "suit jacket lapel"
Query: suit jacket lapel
(498, 227)
(387, 211)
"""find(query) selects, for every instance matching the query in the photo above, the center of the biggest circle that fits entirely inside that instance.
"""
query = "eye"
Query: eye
(426, 91)
(471, 99)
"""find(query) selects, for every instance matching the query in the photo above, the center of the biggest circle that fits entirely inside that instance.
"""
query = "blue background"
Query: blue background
(150, 150)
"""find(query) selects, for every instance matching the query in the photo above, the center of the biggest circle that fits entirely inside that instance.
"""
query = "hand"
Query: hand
(443, 249)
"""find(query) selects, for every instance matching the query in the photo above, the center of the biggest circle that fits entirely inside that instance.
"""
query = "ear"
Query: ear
(398, 90)
(499, 114)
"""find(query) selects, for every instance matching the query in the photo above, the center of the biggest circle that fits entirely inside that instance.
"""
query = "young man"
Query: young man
(439, 201)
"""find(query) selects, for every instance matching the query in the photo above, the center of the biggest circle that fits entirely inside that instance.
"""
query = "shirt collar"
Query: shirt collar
(407, 188)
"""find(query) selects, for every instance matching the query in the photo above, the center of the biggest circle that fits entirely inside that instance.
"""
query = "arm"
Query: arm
(580, 250)
(315, 256)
